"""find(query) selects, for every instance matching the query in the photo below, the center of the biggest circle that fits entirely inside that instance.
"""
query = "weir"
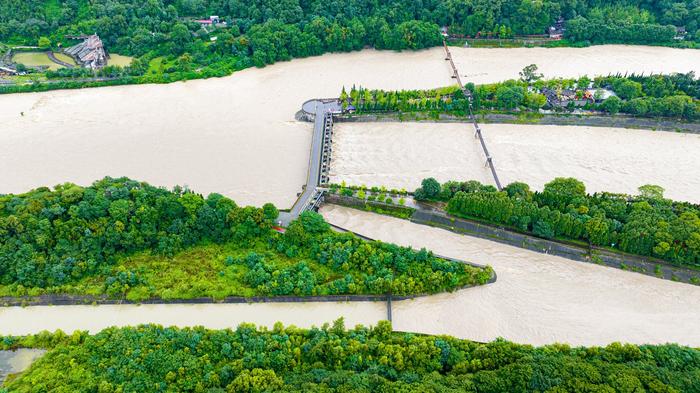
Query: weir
(322, 111)
(468, 94)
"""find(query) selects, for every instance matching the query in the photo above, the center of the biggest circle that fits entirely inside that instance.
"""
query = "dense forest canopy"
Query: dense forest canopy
(645, 224)
(82, 240)
(264, 31)
(331, 359)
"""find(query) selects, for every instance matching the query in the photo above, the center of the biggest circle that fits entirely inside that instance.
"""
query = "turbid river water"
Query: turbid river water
(27, 320)
(237, 135)
(488, 65)
(12, 362)
(537, 298)
(400, 155)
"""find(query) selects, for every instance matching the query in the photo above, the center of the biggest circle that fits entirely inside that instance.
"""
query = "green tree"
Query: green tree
(651, 191)
(255, 381)
(627, 89)
(529, 74)
(510, 97)
(44, 43)
(430, 187)
(561, 192)
(612, 105)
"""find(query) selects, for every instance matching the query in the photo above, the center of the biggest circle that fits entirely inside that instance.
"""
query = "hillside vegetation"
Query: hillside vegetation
(170, 44)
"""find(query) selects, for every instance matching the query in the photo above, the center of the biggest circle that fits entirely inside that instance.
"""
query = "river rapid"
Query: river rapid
(400, 155)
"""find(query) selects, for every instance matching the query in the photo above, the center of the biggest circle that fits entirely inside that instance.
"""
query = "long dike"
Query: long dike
(427, 215)
(587, 120)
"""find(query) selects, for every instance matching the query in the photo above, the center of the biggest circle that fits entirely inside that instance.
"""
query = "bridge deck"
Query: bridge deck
(468, 94)
(319, 157)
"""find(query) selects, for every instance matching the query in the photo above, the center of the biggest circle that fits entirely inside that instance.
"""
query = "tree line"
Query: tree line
(121, 237)
(674, 95)
(631, 24)
(646, 224)
(151, 358)
(262, 32)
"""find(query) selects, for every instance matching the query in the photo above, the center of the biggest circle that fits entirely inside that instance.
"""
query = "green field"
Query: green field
(64, 57)
(35, 59)
(119, 60)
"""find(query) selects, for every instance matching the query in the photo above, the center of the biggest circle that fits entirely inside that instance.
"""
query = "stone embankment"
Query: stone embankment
(589, 120)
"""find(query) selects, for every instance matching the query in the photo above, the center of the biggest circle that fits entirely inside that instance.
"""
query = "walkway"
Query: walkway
(53, 58)
(319, 160)
(468, 94)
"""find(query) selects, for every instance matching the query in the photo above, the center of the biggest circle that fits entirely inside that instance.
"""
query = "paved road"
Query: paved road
(319, 108)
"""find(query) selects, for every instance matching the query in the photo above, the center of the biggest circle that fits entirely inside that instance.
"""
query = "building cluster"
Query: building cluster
(556, 31)
(7, 71)
(562, 98)
(90, 53)
(6, 66)
(212, 21)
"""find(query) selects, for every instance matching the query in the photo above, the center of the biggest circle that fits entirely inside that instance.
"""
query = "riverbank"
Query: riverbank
(427, 214)
(586, 119)
(12, 363)
(335, 358)
(76, 300)
(542, 42)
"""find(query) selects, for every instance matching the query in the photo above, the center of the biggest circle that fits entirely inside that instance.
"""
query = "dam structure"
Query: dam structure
(321, 111)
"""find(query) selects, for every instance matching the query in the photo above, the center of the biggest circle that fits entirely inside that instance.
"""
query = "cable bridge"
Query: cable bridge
(472, 118)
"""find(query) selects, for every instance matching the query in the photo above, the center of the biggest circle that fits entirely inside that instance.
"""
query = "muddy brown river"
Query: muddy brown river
(237, 136)
(400, 155)
(538, 298)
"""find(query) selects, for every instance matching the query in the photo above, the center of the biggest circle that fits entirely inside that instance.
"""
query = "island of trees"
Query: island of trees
(332, 359)
(126, 239)
(674, 96)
